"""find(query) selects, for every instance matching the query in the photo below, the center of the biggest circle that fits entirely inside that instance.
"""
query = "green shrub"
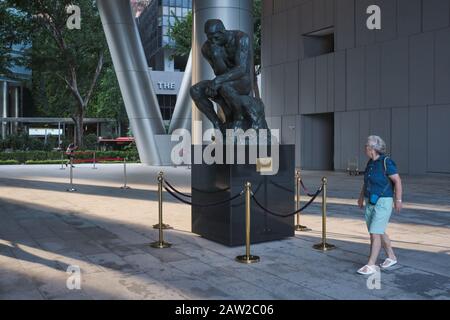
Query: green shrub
(44, 161)
(2, 162)
(24, 156)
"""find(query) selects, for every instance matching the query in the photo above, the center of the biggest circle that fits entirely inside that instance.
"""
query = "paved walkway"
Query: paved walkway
(105, 231)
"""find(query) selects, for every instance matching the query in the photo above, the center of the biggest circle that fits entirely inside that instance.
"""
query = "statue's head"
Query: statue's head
(215, 31)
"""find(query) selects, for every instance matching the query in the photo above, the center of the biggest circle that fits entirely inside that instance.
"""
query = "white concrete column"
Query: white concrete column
(132, 74)
(4, 108)
(235, 15)
(16, 107)
(182, 113)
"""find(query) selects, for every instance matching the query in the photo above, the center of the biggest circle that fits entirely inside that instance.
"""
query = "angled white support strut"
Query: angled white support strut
(133, 75)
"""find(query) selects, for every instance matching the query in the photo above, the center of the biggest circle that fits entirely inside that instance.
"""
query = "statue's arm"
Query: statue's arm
(206, 52)
(242, 61)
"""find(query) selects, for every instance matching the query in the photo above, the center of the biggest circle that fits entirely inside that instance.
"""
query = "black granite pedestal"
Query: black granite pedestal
(225, 223)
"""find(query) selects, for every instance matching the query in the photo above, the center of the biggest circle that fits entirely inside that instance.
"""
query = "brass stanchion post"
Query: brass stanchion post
(324, 246)
(71, 188)
(298, 226)
(125, 186)
(160, 244)
(247, 258)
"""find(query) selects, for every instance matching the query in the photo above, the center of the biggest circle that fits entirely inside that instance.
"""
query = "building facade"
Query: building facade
(12, 91)
(166, 71)
(328, 81)
(153, 24)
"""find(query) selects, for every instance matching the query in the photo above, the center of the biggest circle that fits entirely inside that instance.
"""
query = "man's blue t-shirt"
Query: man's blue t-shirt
(375, 178)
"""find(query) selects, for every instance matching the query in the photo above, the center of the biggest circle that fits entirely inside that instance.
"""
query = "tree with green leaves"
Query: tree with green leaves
(69, 60)
(11, 34)
(181, 33)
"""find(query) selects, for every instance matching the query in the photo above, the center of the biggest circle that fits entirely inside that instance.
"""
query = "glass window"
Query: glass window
(178, 12)
(165, 10)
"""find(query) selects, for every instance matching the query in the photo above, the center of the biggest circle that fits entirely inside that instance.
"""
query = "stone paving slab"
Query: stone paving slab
(106, 232)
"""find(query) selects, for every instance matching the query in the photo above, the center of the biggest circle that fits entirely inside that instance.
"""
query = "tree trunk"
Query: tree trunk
(79, 130)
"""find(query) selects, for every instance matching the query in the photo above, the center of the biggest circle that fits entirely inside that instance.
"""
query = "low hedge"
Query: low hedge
(9, 162)
(27, 156)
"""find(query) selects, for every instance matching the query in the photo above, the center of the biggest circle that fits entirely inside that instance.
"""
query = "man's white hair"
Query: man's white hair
(377, 144)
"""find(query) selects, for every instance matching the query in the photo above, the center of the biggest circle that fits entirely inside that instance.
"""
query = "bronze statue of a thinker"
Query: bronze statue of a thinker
(230, 56)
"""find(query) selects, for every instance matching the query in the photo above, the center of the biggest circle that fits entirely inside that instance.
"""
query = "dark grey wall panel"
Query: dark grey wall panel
(435, 14)
(277, 90)
(298, 140)
(364, 36)
(364, 132)
(400, 138)
(274, 123)
(265, 89)
(306, 151)
(418, 149)
(388, 20)
(291, 88)
(345, 24)
(380, 125)
(321, 84)
(349, 137)
(355, 78)
(306, 17)
(330, 87)
(394, 73)
(317, 142)
(438, 138)
(340, 90)
(442, 65)
(421, 67)
(409, 15)
(266, 41)
(329, 12)
(279, 38)
(267, 7)
(279, 5)
(293, 35)
(373, 76)
(338, 141)
(288, 129)
(319, 14)
(307, 86)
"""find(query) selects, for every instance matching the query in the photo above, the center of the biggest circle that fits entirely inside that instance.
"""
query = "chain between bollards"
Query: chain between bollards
(324, 246)
(125, 186)
(71, 188)
(160, 244)
(247, 258)
(298, 226)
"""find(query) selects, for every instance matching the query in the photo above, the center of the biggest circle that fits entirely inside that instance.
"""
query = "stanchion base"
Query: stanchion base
(324, 246)
(164, 226)
(299, 227)
(247, 259)
(71, 190)
(62, 168)
(94, 168)
(125, 187)
(160, 245)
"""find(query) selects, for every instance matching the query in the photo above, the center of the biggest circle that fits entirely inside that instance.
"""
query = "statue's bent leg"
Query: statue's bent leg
(201, 99)
(232, 93)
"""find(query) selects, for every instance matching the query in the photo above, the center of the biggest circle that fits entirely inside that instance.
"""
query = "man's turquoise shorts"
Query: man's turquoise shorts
(377, 216)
